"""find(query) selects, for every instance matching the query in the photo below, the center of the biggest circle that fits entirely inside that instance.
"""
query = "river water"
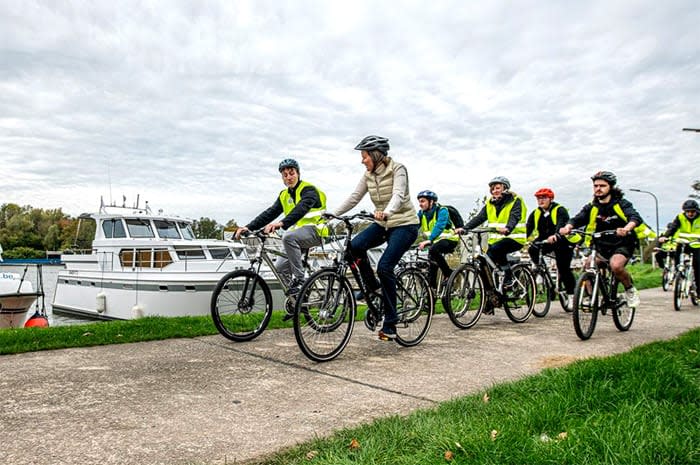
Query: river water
(50, 278)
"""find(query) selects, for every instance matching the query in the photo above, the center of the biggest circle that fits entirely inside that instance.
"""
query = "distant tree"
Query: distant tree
(206, 228)
(52, 239)
(24, 252)
(231, 224)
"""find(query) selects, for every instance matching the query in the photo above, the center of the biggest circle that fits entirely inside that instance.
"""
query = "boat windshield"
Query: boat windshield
(139, 228)
(186, 230)
(166, 229)
(113, 228)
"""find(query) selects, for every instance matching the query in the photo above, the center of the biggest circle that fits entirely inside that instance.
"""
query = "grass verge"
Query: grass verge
(641, 407)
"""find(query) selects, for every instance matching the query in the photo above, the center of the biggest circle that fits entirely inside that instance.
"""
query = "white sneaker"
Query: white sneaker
(632, 297)
(570, 302)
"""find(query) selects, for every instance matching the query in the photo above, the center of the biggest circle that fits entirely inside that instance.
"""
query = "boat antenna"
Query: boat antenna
(137, 200)
(109, 181)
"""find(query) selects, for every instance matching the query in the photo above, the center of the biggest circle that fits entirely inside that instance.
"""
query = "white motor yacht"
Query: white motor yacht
(144, 264)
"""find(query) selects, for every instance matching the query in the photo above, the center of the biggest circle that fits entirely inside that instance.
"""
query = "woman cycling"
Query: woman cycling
(395, 222)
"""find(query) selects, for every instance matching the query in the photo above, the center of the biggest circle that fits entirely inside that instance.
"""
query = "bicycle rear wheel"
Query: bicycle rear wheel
(241, 305)
(415, 306)
(543, 293)
(519, 301)
(464, 300)
(622, 314)
(324, 316)
(586, 305)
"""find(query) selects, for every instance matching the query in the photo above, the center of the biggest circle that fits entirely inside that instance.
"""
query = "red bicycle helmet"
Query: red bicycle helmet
(545, 192)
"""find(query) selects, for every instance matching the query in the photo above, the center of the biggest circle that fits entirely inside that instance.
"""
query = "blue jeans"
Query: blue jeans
(398, 241)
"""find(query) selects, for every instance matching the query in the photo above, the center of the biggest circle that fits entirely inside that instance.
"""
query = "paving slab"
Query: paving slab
(210, 401)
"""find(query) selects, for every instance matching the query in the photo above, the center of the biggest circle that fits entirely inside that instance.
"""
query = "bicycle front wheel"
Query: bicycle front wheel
(679, 290)
(586, 305)
(519, 301)
(415, 306)
(241, 305)
(324, 315)
(543, 293)
(622, 314)
(464, 296)
(666, 279)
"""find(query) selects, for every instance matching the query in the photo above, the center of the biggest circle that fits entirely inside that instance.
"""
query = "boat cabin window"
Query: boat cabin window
(113, 228)
(186, 230)
(219, 253)
(145, 258)
(190, 253)
(139, 228)
(166, 229)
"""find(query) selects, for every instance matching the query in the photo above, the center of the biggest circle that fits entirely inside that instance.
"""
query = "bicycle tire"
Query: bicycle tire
(240, 317)
(324, 316)
(666, 279)
(543, 293)
(623, 315)
(679, 290)
(465, 296)
(586, 305)
(692, 289)
(415, 306)
(519, 301)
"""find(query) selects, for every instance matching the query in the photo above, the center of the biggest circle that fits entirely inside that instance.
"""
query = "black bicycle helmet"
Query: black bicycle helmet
(371, 143)
(690, 204)
(606, 176)
(500, 180)
(430, 195)
(289, 163)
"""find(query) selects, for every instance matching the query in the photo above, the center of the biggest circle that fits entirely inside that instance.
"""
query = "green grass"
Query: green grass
(642, 407)
(13, 341)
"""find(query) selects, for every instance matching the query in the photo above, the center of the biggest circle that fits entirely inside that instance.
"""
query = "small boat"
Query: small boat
(17, 295)
(145, 264)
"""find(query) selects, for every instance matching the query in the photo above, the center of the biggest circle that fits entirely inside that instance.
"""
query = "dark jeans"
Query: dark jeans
(498, 252)
(437, 253)
(398, 241)
(563, 254)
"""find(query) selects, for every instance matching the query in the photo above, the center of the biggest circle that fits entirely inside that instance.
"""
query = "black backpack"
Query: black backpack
(455, 217)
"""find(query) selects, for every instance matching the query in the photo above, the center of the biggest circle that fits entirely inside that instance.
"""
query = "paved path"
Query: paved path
(211, 401)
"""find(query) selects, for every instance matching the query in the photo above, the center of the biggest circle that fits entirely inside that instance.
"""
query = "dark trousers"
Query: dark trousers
(498, 252)
(695, 254)
(437, 253)
(398, 241)
(563, 254)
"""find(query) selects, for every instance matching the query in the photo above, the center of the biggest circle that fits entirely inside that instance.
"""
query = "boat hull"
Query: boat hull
(127, 296)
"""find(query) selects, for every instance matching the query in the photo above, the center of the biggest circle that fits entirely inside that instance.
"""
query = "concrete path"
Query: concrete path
(211, 401)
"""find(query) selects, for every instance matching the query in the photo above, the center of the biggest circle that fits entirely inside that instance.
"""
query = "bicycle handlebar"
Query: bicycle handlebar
(347, 218)
(477, 231)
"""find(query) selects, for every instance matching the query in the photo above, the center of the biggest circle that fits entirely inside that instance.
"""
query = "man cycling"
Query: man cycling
(542, 225)
(505, 211)
(686, 226)
(667, 248)
(302, 204)
(609, 210)
(438, 230)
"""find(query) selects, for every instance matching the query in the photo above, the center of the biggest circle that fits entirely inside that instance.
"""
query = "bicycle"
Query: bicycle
(241, 304)
(547, 283)
(326, 308)
(598, 290)
(420, 260)
(684, 287)
(668, 275)
(468, 294)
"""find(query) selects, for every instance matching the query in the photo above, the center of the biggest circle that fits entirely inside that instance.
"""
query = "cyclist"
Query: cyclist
(542, 225)
(506, 212)
(395, 223)
(687, 226)
(436, 226)
(667, 246)
(302, 205)
(610, 210)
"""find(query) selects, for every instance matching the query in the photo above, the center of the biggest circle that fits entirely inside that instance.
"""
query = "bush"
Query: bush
(24, 252)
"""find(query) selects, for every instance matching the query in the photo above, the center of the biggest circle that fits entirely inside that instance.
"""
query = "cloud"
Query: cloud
(192, 105)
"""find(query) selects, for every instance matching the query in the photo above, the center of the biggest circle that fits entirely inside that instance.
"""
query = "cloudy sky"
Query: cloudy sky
(191, 105)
